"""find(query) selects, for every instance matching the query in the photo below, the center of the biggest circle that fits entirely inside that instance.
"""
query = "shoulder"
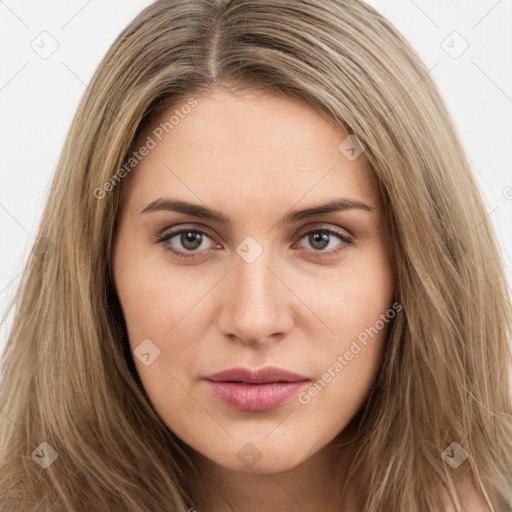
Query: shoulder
(472, 498)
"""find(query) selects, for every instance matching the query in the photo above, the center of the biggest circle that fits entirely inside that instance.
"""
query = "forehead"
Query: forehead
(250, 142)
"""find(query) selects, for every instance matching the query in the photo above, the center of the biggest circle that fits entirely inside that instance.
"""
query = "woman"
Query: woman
(264, 280)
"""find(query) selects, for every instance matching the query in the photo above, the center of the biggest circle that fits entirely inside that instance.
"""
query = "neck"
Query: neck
(315, 484)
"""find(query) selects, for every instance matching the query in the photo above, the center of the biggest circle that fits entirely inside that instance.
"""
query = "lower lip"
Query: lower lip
(255, 397)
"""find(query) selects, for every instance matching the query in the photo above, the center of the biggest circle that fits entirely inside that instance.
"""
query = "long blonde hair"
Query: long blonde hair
(68, 378)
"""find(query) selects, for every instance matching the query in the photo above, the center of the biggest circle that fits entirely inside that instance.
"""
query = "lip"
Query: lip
(255, 389)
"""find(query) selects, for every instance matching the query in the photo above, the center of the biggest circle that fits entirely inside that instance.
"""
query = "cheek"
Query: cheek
(360, 311)
(144, 308)
(161, 309)
(346, 374)
(155, 304)
(355, 298)
(152, 299)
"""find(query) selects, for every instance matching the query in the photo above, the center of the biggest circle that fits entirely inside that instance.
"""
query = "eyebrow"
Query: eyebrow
(203, 212)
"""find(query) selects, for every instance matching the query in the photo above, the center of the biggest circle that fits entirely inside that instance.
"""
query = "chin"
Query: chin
(258, 457)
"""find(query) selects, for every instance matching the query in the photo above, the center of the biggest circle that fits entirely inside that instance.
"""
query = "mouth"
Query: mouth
(255, 390)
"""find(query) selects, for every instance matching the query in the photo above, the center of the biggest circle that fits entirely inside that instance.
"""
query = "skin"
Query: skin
(255, 157)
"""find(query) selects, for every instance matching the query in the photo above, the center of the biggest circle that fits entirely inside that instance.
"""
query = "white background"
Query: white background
(39, 96)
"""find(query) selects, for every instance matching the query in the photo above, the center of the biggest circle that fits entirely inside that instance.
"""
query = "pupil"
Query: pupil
(191, 240)
(321, 237)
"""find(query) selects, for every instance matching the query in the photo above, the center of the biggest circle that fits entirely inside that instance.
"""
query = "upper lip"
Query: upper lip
(256, 376)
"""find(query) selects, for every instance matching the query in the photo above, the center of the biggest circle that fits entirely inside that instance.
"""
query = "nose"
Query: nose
(257, 305)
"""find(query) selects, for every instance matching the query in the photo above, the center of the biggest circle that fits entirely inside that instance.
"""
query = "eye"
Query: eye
(192, 242)
(321, 238)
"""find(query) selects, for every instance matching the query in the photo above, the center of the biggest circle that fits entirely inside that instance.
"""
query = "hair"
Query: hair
(68, 376)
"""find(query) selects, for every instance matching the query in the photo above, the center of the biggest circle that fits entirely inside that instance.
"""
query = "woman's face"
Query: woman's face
(221, 262)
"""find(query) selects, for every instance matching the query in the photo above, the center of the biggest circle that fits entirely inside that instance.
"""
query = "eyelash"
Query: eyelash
(316, 254)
